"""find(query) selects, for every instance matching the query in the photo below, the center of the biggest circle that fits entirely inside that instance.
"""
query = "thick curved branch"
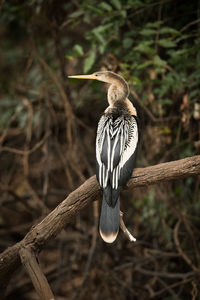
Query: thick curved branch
(89, 191)
(165, 172)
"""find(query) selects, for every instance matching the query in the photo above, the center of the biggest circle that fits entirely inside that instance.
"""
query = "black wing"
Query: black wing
(116, 144)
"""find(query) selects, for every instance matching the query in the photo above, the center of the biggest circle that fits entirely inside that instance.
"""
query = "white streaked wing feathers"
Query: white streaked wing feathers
(131, 141)
(122, 131)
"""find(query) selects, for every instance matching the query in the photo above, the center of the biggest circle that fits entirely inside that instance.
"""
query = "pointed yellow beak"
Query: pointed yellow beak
(92, 76)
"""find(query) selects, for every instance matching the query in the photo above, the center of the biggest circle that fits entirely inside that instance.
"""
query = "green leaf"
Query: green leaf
(78, 50)
(76, 14)
(89, 61)
(153, 24)
(116, 4)
(170, 30)
(127, 43)
(99, 37)
(135, 80)
(135, 3)
(144, 65)
(144, 47)
(159, 62)
(165, 101)
(123, 13)
(105, 6)
(69, 57)
(94, 9)
(177, 53)
(99, 32)
(148, 31)
(102, 28)
(101, 48)
(166, 43)
(194, 93)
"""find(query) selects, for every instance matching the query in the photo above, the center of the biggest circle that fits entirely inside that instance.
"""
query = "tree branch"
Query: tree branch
(89, 191)
(30, 262)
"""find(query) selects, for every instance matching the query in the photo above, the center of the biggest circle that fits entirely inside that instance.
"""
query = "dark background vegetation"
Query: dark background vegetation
(47, 136)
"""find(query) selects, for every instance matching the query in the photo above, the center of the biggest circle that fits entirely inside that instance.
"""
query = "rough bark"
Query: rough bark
(40, 283)
(89, 191)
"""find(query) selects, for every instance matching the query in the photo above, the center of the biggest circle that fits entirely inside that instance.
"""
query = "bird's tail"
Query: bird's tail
(109, 220)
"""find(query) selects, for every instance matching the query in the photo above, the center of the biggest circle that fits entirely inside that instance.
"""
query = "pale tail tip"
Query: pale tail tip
(108, 238)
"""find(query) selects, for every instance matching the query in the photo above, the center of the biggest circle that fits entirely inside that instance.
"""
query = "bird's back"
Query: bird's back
(116, 142)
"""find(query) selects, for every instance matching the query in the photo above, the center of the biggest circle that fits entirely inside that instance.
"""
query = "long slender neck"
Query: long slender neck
(118, 90)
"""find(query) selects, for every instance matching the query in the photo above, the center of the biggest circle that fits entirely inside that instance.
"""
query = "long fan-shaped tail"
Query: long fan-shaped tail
(109, 221)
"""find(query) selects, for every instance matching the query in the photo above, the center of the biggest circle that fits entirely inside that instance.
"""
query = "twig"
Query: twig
(28, 134)
(173, 285)
(183, 254)
(165, 274)
(191, 234)
(24, 152)
(148, 112)
(125, 230)
(194, 292)
(169, 289)
(190, 24)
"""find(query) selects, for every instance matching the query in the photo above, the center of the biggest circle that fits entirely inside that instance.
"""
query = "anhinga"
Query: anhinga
(116, 143)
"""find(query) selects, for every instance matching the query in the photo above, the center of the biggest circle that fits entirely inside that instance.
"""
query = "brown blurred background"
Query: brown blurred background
(47, 135)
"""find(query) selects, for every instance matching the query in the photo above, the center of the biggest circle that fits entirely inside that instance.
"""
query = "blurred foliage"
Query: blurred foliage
(47, 135)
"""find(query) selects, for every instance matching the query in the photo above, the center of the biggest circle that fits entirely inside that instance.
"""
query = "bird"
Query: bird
(116, 147)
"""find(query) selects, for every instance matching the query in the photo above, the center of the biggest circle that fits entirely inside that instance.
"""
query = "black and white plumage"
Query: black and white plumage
(116, 144)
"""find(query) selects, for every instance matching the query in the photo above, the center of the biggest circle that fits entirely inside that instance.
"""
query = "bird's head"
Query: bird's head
(118, 89)
(105, 76)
